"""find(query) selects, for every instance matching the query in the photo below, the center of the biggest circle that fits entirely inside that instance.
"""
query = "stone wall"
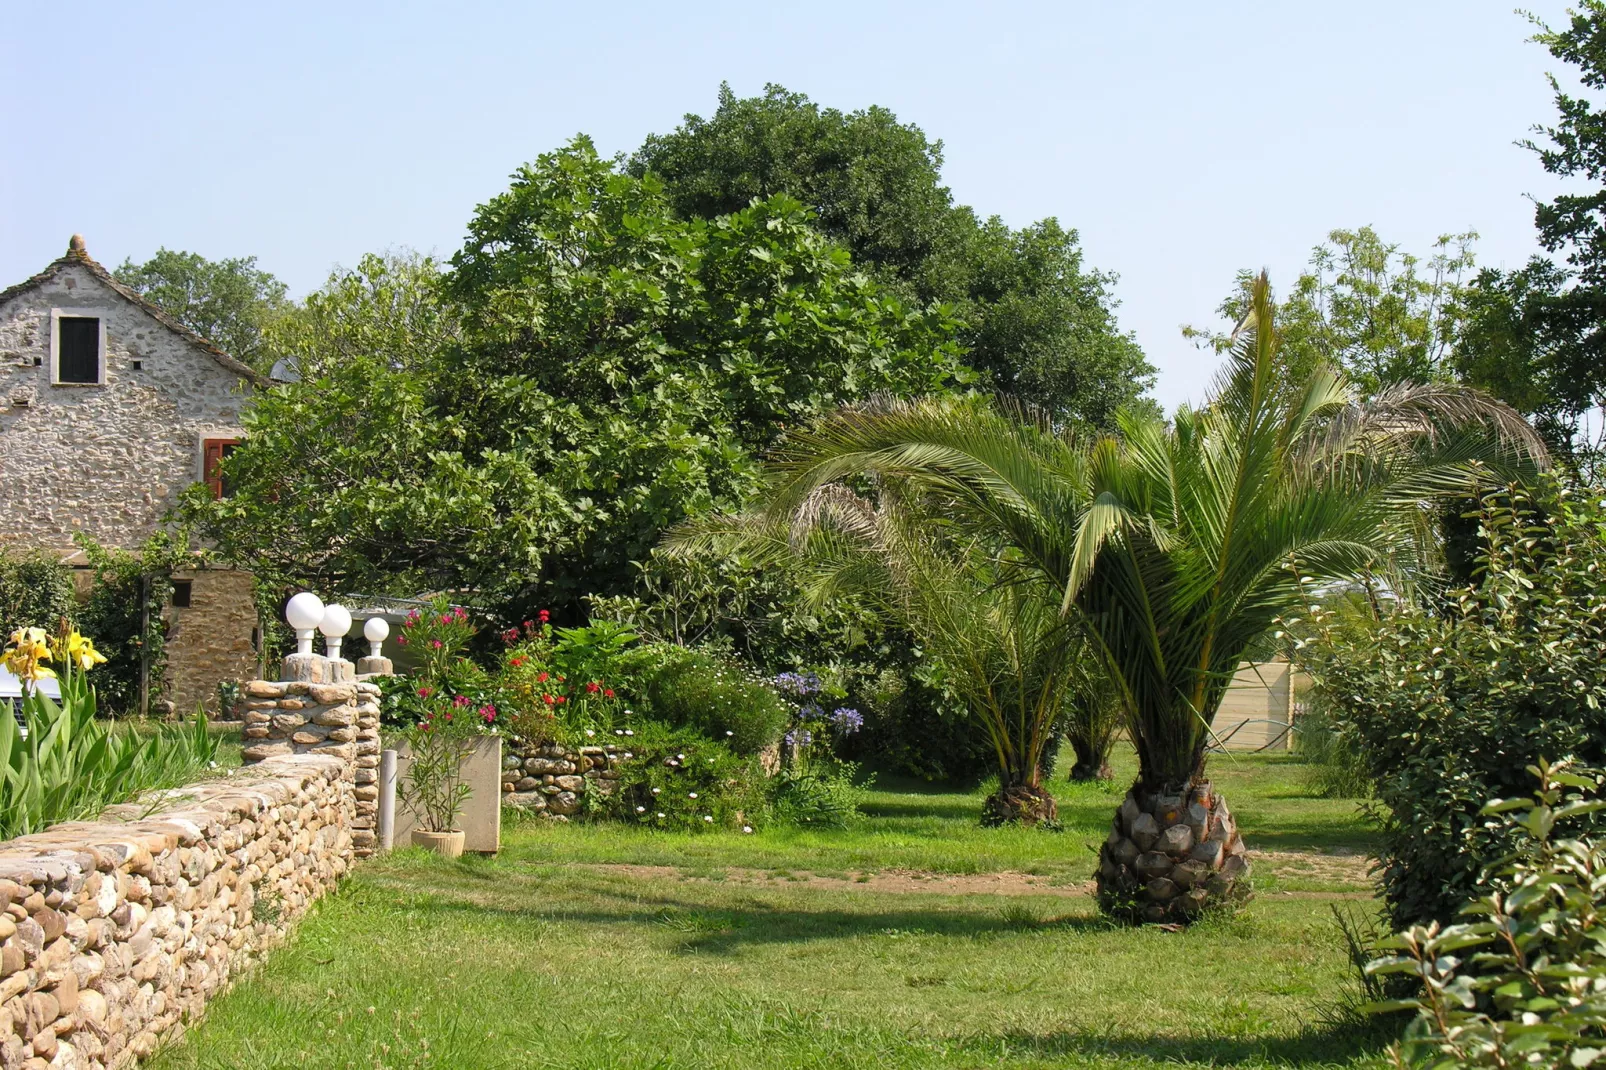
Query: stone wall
(115, 933)
(321, 708)
(210, 640)
(552, 779)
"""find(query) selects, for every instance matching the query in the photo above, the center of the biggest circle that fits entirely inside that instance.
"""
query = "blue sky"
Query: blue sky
(1184, 141)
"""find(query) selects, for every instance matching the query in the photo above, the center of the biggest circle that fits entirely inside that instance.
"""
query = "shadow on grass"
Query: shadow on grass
(1312, 1046)
(721, 928)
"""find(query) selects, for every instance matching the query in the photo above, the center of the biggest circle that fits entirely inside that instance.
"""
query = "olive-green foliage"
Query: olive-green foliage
(913, 723)
(703, 691)
(123, 613)
(610, 369)
(35, 592)
(1521, 982)
(70, 765)
(1037, 322)
(1448, 708)
(678, 778)
(231, 303)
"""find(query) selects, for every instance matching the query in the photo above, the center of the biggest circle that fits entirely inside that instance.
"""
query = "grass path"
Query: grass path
(916, 939)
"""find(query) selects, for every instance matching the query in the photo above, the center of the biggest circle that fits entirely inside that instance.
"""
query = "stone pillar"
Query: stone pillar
(320, 707)
(374, 665)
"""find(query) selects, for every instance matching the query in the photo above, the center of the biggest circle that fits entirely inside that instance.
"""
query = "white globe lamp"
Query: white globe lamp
(304, 613)
(335, 624)
(375, 631)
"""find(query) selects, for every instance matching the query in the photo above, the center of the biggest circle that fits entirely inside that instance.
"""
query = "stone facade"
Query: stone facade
(110, 459)
(115, 933)
(320, 707)
(552, 779)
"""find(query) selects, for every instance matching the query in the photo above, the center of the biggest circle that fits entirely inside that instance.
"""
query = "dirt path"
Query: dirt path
(1337, 869)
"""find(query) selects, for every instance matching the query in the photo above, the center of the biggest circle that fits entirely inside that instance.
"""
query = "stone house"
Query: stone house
(109, 409)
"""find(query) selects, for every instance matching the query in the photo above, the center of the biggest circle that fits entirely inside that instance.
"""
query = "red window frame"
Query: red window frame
(213, 450)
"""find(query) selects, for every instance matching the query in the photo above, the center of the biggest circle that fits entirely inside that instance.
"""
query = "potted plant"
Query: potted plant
(434, 787)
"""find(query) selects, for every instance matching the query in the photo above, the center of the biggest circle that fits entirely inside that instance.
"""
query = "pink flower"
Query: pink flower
(446, 618)
(510, 636)
(436, 643)
(425, 692)
(461, 614)
(488, 712)
(460, 700)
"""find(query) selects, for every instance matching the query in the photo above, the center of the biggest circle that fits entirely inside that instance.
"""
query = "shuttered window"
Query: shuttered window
(78, 353)
(213, 450)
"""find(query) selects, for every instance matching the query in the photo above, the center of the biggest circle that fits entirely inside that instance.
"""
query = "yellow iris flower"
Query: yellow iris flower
(81, 652)
(23, 656)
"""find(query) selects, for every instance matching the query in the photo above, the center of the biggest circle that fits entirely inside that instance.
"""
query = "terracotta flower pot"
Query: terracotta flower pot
(445, 844)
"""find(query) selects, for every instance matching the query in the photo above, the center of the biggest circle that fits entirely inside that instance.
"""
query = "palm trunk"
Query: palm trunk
(1173, 852)
(1019, 800)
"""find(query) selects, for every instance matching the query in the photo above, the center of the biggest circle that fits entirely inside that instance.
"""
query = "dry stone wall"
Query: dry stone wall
(321, 708)
(551, 779)
(115, 933)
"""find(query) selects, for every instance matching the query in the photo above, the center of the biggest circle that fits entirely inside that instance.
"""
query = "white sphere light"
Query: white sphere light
(335, 624)
(375, 631)
(336, 621)
(304, 613)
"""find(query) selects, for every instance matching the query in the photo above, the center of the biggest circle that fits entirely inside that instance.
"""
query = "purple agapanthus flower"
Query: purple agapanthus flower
(797, 684)
(847, 720)
(799, 737)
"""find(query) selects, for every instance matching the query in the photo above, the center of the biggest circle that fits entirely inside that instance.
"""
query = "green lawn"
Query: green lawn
(917, 939)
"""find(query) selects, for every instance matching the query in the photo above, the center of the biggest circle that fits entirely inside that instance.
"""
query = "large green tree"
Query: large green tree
(231, 303)
(1176, 546)
(591, 370)
(1037, 322)
(1382, 315)
(1536, 335)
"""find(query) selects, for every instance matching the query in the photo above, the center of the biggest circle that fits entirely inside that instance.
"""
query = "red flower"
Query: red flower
(425, 692)
(540, 678)
(607, 693)
(593, 687)
(562, 699)
(545, 616)
(510, 636)
(548, 699)
(515, 662)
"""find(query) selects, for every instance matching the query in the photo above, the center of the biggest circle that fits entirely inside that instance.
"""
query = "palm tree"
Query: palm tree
(995, 629)
(1175, 547)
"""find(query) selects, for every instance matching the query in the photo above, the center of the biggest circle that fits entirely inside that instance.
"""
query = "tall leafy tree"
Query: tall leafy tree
(1382, 315)
(1536, 336)
(590, 370)
(231, 303)
(1176, 546)
(1037, 322)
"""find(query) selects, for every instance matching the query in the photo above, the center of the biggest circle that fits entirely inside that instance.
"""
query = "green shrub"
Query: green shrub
(677, 778)
(1524, 982)
(697, 689)
(1447, 707)
(35, 591)
(823, 794)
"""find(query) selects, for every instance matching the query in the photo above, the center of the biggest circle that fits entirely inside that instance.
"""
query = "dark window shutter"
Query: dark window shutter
(79, 359)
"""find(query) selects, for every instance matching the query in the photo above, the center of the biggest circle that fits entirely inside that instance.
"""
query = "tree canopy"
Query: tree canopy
(1035, 321)
(231, 303)
(590, 370)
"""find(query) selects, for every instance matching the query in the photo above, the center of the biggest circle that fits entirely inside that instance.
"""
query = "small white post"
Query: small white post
(304, 613)
(387, 799)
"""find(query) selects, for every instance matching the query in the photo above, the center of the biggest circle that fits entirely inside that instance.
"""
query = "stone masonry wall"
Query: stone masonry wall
(115, 933)
(209, 641)
(321, 708)
(108, 460)
(549, 778)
